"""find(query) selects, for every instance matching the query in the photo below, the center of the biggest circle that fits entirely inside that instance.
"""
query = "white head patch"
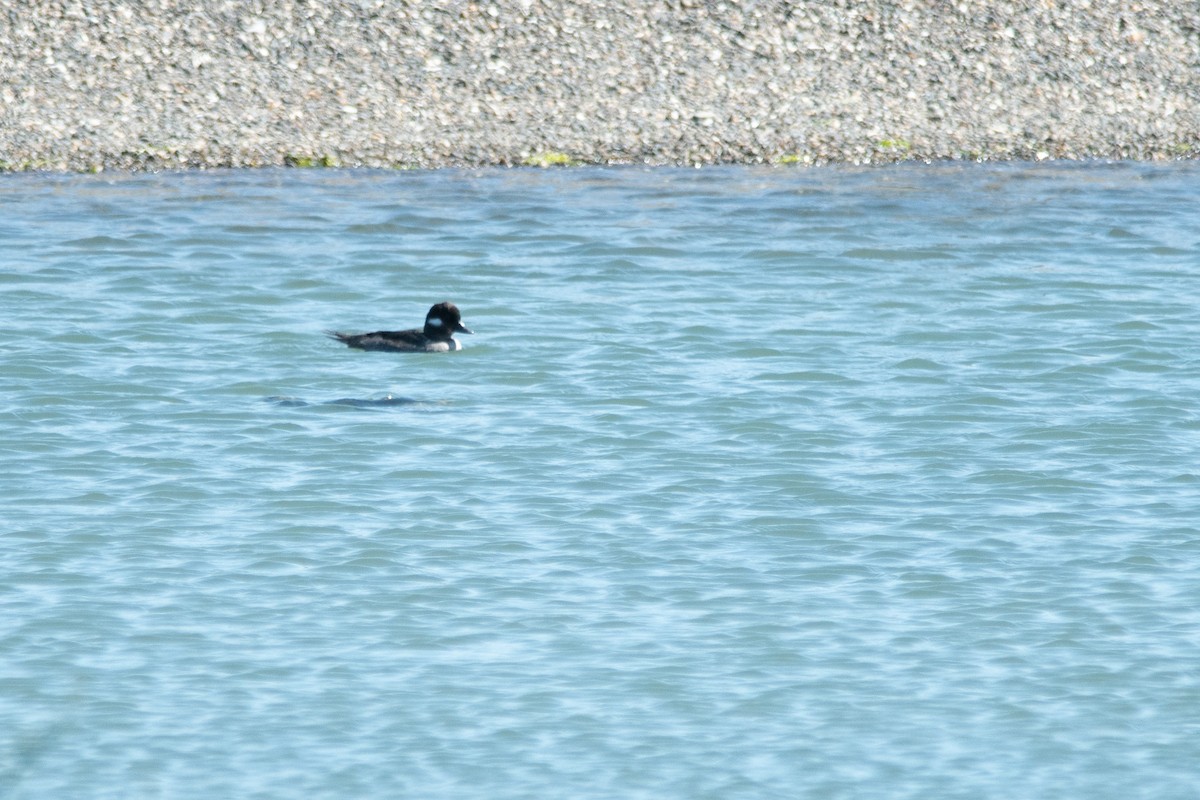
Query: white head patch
(435, 322)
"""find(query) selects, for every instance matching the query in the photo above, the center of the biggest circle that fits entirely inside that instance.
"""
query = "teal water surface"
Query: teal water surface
(751, 483)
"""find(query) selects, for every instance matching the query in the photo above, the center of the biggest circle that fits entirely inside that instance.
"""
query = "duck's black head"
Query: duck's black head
(443, 321)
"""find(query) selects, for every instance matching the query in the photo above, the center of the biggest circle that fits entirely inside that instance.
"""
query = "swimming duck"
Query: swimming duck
(441, 323)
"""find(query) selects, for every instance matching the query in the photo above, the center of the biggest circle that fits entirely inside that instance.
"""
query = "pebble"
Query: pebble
(164, 84)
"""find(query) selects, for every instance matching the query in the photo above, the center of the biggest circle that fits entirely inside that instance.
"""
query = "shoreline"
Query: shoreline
(149, 164)
(356, 83)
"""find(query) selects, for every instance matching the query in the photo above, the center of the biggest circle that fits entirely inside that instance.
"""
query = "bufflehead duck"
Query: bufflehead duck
(441, 323)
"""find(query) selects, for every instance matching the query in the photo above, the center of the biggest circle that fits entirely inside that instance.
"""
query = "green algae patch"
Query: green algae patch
(898, 146)
(793, 160)
(310, 162)
(550, 158)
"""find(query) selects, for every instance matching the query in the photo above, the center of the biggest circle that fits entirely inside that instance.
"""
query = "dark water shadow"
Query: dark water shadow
(387, 401)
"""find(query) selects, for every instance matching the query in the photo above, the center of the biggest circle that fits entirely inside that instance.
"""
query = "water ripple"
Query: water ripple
(752, 483)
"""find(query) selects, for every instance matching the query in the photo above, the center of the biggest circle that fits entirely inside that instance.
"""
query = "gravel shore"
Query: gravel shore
(95, 84)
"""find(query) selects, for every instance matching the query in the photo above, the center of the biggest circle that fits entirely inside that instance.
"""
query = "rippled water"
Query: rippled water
(752, 483)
